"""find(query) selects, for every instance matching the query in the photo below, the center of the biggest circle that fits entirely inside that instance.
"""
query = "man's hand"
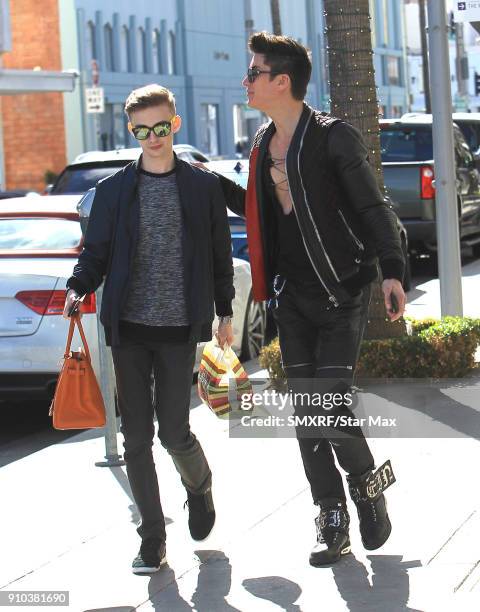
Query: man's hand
(199, 165)
(394, 298)
(72, 297)
(224, 334)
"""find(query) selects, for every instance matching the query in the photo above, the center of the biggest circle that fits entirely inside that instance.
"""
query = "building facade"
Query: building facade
(471, 39)
(32, 129)
(196, 48)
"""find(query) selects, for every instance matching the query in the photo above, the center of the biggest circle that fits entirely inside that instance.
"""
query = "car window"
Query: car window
(197, 156)
(471, 132)
(405, 144)
(44, 233)
(462, 150)
(79, 179)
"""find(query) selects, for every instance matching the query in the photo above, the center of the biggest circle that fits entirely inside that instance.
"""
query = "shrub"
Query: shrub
(435, 349)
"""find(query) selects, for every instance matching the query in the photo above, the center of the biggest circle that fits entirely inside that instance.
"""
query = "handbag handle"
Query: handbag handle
(75, 319)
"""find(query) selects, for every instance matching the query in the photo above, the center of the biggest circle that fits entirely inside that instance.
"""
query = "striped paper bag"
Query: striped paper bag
(217, 369)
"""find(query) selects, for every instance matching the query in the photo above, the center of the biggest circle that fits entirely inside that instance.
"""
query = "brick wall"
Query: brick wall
(33, 127)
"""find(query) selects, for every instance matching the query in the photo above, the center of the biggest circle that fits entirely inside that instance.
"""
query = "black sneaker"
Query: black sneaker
(151, 556)
(201, 514)
(366, 491)
(332, 533)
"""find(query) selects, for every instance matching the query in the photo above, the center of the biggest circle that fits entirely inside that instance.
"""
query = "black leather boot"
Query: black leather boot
(366, 491)
(332, 533)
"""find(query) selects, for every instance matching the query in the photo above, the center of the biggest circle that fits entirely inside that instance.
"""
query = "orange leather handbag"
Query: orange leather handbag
(78, 402)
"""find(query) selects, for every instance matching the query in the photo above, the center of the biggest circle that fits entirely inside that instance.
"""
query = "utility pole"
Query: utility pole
(424, 44)
(449, 264)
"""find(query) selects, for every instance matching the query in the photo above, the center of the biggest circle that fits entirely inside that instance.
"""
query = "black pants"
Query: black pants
(172, 365)
(320, 348)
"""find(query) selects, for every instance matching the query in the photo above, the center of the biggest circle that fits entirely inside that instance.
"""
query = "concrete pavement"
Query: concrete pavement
(68, 525)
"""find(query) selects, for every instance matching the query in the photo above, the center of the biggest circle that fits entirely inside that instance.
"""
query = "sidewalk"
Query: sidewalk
(68, 525)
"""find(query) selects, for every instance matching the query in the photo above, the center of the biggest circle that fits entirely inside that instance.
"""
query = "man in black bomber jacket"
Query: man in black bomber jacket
(158, 234)
(316, 224)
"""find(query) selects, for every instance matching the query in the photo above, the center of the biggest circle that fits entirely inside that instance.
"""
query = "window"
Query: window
(141, 51)
(156, 48)
(91, 49)
(78, 178)
(240, 129)
(371, 4)
(171, 64)
(39, 234)
(397, 111)
(125, 54)
(385, 23)
(393, 70)
(209, 128)
(406, 144)
(119, 127)
(108, 37)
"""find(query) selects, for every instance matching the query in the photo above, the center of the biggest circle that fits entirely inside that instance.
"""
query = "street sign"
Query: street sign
(468, 10)
(94, 100)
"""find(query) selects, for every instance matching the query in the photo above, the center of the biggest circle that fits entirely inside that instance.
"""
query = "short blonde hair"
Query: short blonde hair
(148, 96)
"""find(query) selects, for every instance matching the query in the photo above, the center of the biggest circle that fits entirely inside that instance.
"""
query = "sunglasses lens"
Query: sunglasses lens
(162, 129)
(141, 133)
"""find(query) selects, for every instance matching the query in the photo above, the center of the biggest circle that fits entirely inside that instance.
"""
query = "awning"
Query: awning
(35, 81)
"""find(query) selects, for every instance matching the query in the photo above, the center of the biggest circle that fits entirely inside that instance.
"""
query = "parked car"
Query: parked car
(88, 168)
(469, 123)
(237, 170)
(40, 239)
(17, 193)
(409, 174)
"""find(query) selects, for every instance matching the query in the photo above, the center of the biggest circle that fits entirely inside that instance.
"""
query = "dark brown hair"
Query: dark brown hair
(284, 55)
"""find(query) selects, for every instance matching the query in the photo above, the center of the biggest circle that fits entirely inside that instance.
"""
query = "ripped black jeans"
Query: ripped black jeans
(320, 347)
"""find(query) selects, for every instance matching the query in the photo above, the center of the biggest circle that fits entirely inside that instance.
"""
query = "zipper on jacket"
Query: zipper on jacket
(356, 240)
(331, 297)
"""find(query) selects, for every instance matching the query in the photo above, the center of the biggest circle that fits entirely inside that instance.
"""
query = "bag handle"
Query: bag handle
(75, 319)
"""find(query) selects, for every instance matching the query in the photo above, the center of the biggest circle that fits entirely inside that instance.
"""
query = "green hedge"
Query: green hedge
(434, 349)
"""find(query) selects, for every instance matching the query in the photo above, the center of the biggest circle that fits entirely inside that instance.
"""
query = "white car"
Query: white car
(40, 240)
(88, 168)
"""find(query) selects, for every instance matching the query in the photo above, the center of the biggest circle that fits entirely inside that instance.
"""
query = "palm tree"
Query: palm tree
(354, 98)
(276, 23)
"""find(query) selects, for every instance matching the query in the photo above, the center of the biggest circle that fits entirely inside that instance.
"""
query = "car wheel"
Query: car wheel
(254, 329)
(407, 278)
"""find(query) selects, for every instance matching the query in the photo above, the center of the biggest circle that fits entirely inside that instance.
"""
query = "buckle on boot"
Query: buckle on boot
(380, 480)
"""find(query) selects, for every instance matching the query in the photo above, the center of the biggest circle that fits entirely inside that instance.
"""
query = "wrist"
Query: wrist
(225, 320)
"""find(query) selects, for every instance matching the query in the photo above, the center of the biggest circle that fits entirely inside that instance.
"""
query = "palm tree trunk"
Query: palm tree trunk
(276, 22)
(354, 99)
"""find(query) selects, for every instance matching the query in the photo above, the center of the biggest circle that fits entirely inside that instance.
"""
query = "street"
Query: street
(81, 518)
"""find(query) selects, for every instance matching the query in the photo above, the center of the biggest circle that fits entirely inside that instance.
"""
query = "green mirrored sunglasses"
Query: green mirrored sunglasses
(160, 129)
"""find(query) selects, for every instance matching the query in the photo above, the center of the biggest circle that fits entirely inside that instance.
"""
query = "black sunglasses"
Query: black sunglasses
(253, 73)
(160, 129)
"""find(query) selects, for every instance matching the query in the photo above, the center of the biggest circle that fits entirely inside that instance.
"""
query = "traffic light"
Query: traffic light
(477, 84)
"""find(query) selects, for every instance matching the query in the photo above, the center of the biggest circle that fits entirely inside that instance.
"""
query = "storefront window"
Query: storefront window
(209, 128)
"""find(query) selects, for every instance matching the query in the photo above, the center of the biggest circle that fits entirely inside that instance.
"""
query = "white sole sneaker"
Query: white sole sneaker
(148, 569)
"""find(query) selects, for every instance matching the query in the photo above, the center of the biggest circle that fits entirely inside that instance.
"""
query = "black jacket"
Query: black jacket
(343, 218)
(112, 234)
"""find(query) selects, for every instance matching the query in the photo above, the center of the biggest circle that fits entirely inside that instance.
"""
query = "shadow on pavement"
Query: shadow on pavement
(213, 585)
(122, 480)
(115, 609)
(280, 591)
(389, 590)
(429, 399)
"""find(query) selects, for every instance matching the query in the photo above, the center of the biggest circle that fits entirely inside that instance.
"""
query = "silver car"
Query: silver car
(40, 240)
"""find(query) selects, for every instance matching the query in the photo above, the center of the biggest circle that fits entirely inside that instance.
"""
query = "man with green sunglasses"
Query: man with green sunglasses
(148, 236)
